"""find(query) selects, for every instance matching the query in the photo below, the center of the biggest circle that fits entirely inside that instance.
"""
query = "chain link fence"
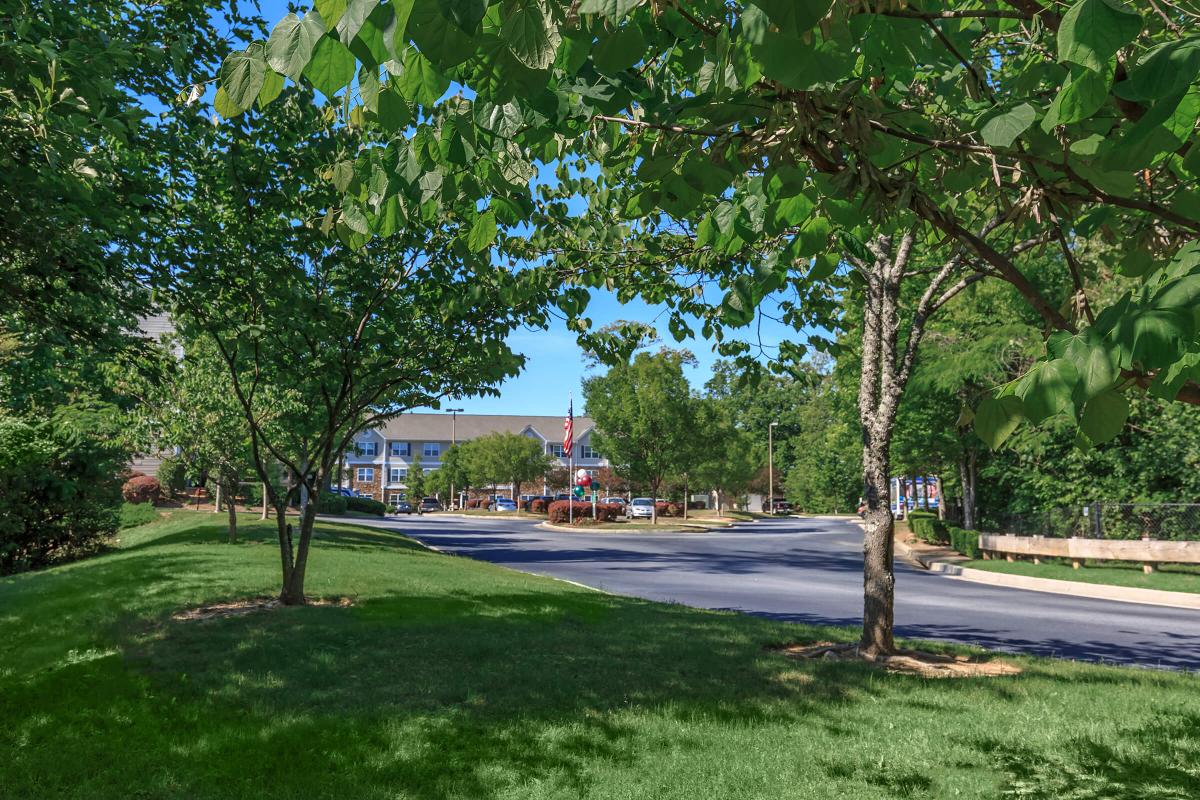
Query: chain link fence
(1160, 521)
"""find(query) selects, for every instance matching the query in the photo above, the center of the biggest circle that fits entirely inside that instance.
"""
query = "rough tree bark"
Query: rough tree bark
(966, 474)
(886, 366)
(229, 489)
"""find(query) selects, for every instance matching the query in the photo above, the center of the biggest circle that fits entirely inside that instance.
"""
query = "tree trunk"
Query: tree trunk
(685, 495)
(230, 491)
(879, 579)
(292, 593)
(967, 474)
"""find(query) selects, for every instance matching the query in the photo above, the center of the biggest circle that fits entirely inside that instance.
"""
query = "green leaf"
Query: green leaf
(291, 44)
(1080, 97)
(1153, 337)
(1104, 416)
(531, 35)
(394, 113)
(353, 18)
(224, 106)
(1002, 130)
(375, 43)
(997, 418)
(791, 210)
(1095, 366)
(421, 82)
(1047, 389)
(483, 232)
(332, 66)
(271, 88)
(466, 14)
(355, 219)
(343, 174)
(242, 75)
(613, 9)
(438, 37)
(624, 48)
(1164, 70)
(330, 11)
(1092, 32)
(794, 16)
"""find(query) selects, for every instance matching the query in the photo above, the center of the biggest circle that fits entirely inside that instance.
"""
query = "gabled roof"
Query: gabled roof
(430, 427)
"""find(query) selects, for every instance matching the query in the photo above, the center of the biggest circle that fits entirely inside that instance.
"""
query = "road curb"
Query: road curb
(1093, 591)
(693, 529)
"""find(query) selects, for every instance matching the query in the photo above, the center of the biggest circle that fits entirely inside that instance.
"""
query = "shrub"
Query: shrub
(473, 503)
(143, 489)
(537, 506)
(172, 474)
(697, 505)
(366, 505)
(134, 514)
(484, 504)
(60, 484)
(330, 503)
(605, 512)
(965, 542)
(927, 527)
(668, 509)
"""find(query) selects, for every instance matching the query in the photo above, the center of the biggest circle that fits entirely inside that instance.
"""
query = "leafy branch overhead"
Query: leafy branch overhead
(747, 150)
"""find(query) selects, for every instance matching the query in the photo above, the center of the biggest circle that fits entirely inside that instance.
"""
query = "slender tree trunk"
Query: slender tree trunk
(879, 579)
(685, 496)
(292, 593)
(967, 472)
(231, 484)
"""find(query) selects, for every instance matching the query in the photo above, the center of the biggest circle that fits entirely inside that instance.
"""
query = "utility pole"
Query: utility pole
(453, 412)
(771, 467)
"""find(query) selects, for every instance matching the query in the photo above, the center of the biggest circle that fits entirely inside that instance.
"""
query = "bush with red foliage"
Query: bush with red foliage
(605, 512)
(537, 506)
(141, 489)
(484, 504)
(666, 508)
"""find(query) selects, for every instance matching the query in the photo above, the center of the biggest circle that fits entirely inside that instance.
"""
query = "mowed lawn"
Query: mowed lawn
(449, 678)
(1168, 577)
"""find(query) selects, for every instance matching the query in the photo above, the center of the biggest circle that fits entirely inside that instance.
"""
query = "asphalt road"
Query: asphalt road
(810, 570)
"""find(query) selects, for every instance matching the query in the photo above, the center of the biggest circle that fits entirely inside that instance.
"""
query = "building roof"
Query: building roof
(436, 427)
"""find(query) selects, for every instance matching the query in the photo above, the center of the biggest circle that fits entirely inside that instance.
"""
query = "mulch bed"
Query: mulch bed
(250, 605)
(906, 662)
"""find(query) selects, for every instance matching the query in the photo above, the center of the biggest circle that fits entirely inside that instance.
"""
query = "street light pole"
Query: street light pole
(771, 468)
(454, 412)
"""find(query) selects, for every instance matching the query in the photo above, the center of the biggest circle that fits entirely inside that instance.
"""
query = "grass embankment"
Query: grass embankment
(1169, 577)
(450, 678)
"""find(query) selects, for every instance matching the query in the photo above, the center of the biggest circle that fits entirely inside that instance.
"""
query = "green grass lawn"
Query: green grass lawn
(1169, 577)
(450, 678)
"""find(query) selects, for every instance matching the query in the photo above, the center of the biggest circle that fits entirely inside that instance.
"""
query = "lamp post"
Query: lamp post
(453, 412)
(771, 467)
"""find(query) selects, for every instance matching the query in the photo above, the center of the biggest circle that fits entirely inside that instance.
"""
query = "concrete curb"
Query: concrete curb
(692, 529)
(1095, 591)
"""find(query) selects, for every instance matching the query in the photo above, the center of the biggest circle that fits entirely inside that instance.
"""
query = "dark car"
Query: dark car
(429, 504)
(403, 507)
(782, 507)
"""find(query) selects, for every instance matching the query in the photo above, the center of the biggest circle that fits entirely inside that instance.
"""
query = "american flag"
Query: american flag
(569, 428)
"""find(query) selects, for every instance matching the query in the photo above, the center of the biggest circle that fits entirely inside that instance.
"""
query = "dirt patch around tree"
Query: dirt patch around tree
(250, 605)
(906, 662)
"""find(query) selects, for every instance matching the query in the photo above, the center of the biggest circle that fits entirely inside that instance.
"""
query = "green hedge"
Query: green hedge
(331, 503)
(928, 528)
(366, 505)
(134, 514)
(965, 542)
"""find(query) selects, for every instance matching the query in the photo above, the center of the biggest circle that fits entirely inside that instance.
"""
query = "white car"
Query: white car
(641, 507)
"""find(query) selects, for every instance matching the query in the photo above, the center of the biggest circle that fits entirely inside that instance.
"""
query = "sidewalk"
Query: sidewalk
(936, 558)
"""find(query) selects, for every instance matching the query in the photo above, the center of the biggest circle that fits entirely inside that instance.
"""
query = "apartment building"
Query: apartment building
(379, 465)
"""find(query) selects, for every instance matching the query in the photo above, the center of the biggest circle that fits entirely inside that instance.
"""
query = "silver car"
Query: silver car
(641, 507)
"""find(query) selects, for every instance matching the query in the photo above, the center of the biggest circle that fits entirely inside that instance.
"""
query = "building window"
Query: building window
(397, 474)
(365, 474)
(395, 497)
(432, 450)
(367, 448)
(586, 451)
(401, 449)
(557, 451)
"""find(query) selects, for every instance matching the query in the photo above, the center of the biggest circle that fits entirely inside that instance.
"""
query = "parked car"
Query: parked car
(782, 507)
(503, 504)
(403, 507)
(619, 501)
(429, 504)
(640, 507)
(563, 496)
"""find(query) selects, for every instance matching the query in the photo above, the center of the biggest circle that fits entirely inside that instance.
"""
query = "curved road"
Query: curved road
(810, 570)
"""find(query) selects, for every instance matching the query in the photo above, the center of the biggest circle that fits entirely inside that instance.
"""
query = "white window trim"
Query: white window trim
(360, 449)
(400, 449)
(397, 474)
(436, 446)
(369, 472)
